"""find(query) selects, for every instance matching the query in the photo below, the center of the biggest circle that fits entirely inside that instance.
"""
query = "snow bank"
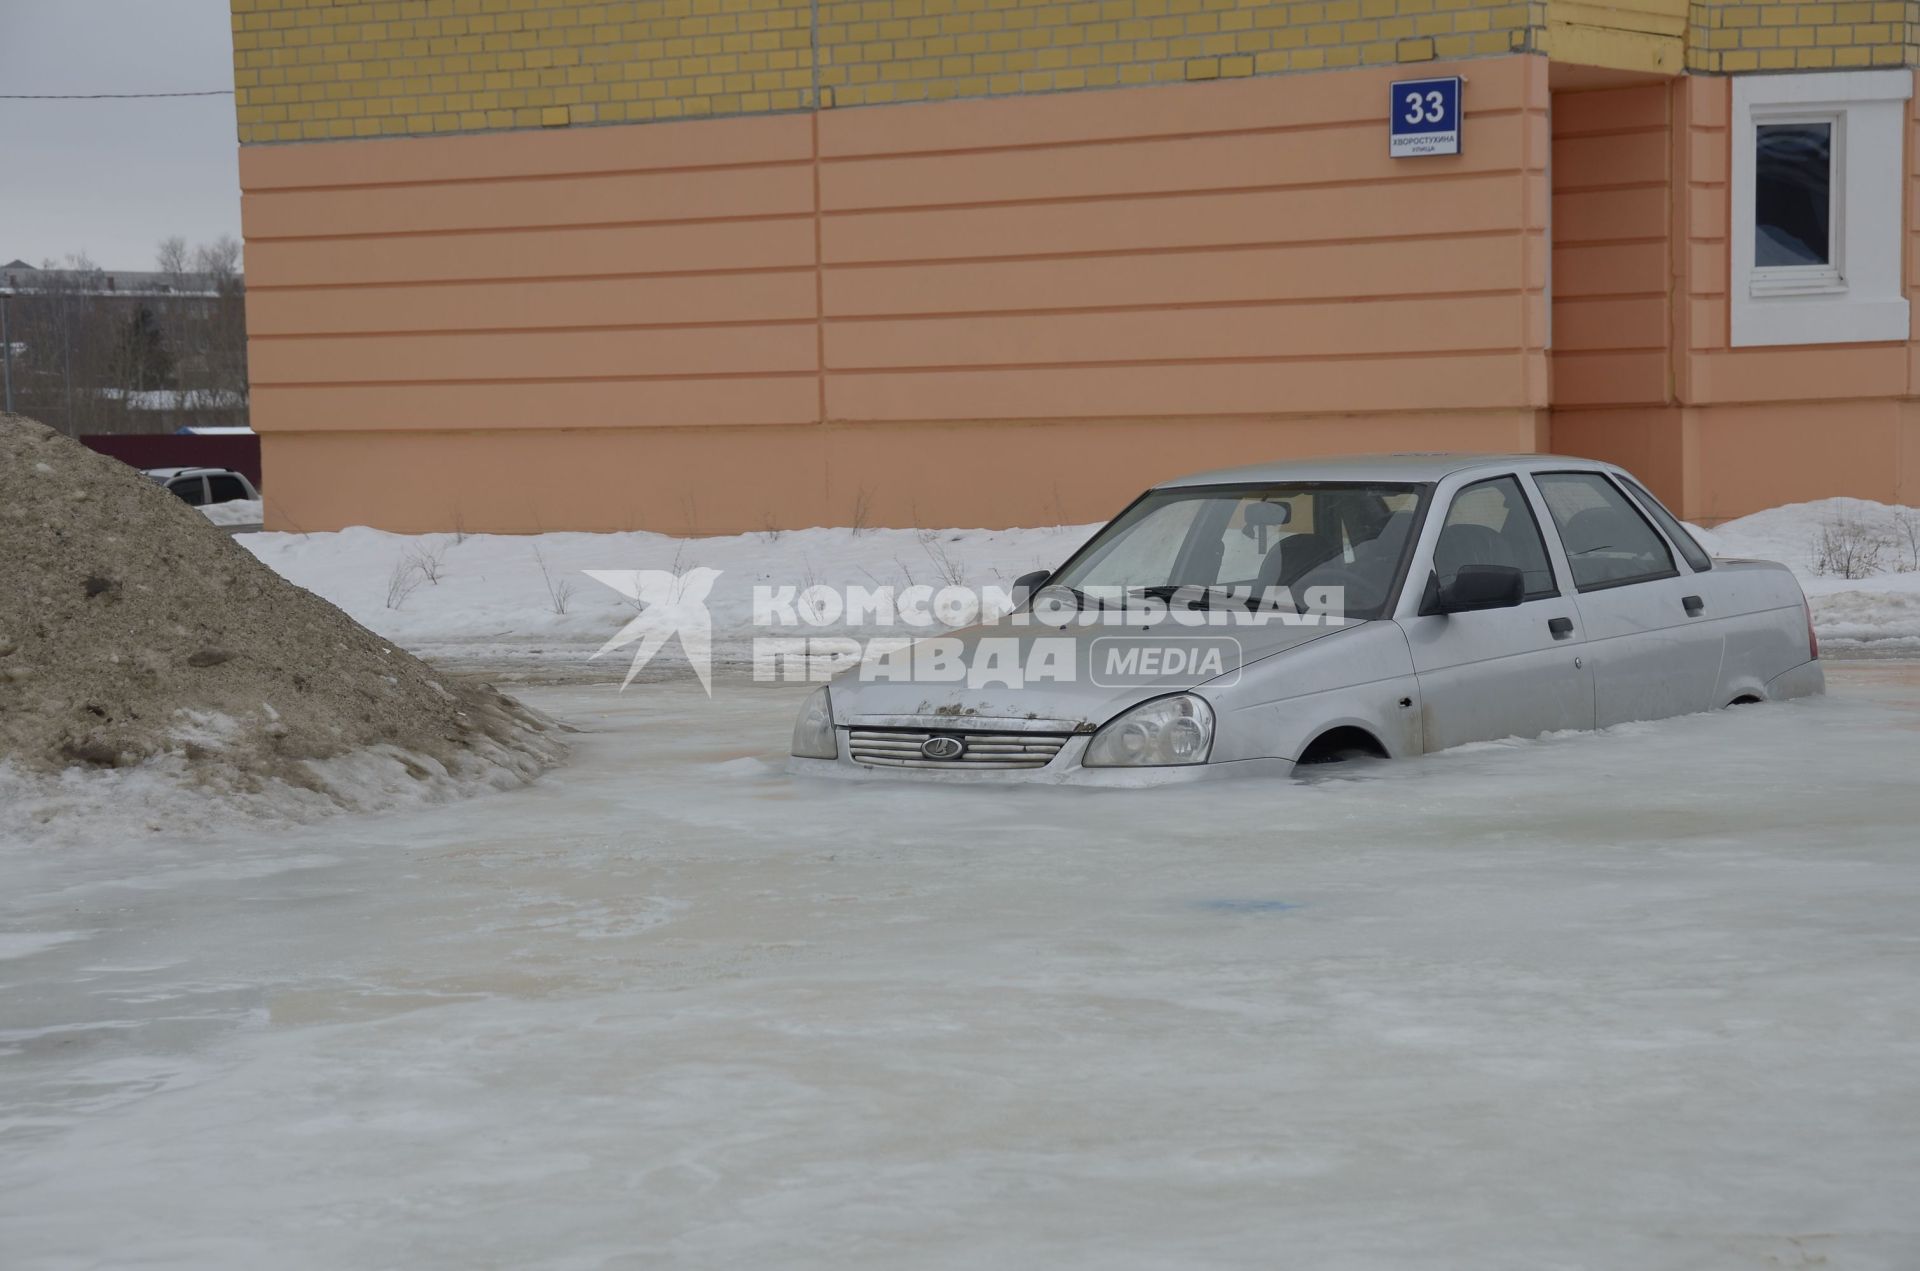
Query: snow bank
(1876, 611)
(235, 512)
(491, 596)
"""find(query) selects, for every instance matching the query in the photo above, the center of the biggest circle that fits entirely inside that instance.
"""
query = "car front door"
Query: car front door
(1514, 672)
(1652, 640)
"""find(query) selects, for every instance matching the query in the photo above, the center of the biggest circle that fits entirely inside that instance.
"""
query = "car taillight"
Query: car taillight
(1813, 641)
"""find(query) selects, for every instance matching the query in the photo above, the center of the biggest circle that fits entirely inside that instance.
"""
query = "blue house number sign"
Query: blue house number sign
(1426, 117)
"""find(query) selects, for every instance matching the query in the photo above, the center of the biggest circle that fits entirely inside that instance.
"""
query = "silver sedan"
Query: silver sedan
(1246, 622)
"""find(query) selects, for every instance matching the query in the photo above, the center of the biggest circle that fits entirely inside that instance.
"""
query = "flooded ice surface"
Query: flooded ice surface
(1645, 999)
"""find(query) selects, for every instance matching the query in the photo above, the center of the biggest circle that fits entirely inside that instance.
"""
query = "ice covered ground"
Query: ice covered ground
(508, 600)
(1642, 999)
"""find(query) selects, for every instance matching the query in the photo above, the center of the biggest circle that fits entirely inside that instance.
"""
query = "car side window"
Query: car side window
(1608, 540)
(192, 489)
(1689, 546)
(225, 489)
(1491, 523)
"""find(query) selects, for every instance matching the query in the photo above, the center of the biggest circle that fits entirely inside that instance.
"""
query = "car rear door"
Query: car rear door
(191, 489)
(1762, 617)
(1653, 640)
(1515, 672)
(224, 487)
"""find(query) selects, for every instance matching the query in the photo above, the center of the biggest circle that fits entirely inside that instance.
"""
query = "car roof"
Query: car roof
(1408, 467)
(167, 474)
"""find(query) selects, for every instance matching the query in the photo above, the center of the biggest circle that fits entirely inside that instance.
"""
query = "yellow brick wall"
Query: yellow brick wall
(911, 50)
(315, 69)
(1780, 35)
(307, 69)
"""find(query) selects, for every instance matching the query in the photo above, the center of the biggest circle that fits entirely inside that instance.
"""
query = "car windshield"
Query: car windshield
(1241, 544)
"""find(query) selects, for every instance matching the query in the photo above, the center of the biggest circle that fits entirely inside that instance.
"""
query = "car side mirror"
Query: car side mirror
(1026, 584)
(1481, 587)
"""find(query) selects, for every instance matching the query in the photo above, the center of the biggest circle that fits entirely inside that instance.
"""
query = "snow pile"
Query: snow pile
(511, 596)
(146, 661)
(1857, 560)
(502, 596)
(235, 512)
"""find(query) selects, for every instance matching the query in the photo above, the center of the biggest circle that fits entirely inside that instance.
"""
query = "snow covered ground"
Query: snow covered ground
(235, 512)
(504, 600)
(1636, 999)
(519, 598)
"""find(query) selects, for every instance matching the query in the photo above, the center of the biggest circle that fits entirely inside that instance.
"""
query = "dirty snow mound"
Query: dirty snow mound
(143, 654)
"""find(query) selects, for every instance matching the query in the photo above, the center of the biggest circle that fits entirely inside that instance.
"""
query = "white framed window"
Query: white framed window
(1818, 202)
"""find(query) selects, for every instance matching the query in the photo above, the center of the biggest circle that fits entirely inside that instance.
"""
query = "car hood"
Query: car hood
(1085, 698)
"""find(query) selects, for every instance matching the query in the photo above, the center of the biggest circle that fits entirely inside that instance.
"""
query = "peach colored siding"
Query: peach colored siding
(1261, 257)
(1610, 257)
(625, 277)
(1731, 430)
(948, 312)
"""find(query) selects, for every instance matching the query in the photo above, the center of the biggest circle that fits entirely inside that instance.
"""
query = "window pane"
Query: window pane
(1252, 539)
(1792, 194)
(1607, 540)
(1688, 545)
(225, 489)
(1147, 553)
(1490, 524)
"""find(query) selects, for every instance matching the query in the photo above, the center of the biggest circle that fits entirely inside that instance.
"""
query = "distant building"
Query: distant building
(133, 283)
(718, 265)
(102, 351)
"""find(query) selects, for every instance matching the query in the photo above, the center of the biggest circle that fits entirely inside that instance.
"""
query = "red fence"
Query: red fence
(172, 450)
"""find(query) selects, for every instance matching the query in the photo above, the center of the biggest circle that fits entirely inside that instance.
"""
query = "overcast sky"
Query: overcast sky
(113, 178)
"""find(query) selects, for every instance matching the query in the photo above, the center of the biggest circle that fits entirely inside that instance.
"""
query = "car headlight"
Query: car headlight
(1162, 733)
(813, 732)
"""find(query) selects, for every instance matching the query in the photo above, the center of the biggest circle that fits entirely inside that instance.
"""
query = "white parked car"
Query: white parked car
(1248, 621)
(202, 487)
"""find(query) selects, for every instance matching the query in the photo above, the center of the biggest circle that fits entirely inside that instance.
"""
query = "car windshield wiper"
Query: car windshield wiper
(1081, 600)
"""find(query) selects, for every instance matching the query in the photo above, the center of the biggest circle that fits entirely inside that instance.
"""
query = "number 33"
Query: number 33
(1430, 111)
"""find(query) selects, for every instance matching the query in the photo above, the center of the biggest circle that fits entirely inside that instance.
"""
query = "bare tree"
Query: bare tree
(97, 352)
(174, 261)
(225, 337)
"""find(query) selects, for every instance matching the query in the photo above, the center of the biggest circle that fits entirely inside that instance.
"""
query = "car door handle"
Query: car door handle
(1693, 605)
(1560, 627)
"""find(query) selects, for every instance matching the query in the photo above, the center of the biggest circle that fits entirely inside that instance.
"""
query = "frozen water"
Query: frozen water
(1643, 999)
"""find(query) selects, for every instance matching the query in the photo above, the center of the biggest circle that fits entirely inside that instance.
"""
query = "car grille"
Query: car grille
(901, 748)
